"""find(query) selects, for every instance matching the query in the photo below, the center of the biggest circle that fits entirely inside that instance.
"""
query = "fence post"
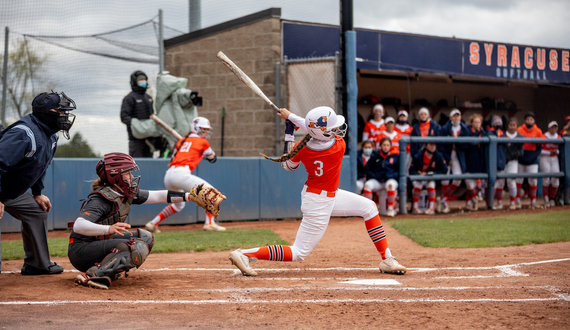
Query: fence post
(565, 158)
(491, 170)
(403, 180)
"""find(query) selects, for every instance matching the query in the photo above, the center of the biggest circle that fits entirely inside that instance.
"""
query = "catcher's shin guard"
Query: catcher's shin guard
(125, 256)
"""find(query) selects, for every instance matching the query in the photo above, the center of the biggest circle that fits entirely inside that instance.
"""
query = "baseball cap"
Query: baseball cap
(378, 106)
(496, 120)
(45, 102)
(552, 123)
(405, 113)
(424, 110)
(388, 120)
(454, 112)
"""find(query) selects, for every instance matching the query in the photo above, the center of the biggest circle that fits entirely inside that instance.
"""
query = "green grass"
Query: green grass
(511, 230)
(173, 241)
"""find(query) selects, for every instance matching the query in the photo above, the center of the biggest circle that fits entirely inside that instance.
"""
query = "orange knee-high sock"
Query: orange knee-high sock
(377, 234)
(416, 193)
(272, 252)
(165, 213)
(519, 187)
(367, 194)
(553, 191)
(532, 194)
(209, 218)
(499, 194)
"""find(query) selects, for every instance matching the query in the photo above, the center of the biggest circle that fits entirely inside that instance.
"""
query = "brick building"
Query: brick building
(253, 42)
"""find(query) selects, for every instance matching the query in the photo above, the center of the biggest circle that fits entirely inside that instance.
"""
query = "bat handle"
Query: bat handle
(275, 107)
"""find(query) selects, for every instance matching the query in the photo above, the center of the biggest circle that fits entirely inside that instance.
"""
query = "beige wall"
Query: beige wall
(249, 122)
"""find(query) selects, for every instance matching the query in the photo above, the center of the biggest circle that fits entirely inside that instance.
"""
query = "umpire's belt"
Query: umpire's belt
(319, 191)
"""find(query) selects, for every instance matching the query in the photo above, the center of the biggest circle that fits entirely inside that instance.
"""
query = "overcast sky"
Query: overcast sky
(98, 85)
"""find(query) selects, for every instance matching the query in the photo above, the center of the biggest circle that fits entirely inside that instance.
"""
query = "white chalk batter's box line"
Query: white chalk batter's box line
(505, 270)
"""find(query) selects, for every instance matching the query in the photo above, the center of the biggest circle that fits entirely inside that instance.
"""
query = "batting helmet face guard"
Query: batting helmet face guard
(201, 126)
(116, 169)
(324, 124)
(54, 110)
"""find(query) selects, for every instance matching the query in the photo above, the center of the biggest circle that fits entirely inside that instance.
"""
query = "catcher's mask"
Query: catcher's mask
(116, 169)
(54, 110)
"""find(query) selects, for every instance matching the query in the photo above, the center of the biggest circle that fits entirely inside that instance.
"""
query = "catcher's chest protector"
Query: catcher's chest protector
(122, 208)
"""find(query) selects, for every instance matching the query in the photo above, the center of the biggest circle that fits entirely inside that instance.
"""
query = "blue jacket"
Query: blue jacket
(383, 167)
(362, 169)
(434, 129)
(475, 155)
(26, 150)
(460, 148)
(437, 165)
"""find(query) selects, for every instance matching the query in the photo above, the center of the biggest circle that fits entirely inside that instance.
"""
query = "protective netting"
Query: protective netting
(88, 49)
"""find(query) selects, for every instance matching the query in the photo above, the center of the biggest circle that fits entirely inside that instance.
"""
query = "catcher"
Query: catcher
(100, 244)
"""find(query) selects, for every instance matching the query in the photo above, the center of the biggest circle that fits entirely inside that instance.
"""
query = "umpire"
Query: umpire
(26, 150)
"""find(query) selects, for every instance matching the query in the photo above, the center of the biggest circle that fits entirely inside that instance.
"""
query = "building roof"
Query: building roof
(235, 23)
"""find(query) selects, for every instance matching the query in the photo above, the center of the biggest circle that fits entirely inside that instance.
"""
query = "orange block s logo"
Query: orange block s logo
(321, 123)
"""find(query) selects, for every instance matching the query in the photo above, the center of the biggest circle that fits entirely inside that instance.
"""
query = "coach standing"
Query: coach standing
(26, 150)
(137, 104)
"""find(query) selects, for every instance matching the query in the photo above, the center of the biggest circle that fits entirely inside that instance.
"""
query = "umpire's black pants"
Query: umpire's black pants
(34, 229)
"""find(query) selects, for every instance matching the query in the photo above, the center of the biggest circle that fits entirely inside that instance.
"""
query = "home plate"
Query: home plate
(374, 282)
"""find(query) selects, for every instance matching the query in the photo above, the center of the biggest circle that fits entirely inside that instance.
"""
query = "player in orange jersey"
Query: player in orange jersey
(321, 152)
(188, 153)
(528, 162)
(375, 125)
(404, 129)
(391, 134)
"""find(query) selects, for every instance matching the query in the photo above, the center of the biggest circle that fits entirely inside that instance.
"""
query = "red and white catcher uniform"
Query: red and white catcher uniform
(320, 198)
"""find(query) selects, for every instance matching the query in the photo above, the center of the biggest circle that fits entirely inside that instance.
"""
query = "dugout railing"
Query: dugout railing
(492, 174)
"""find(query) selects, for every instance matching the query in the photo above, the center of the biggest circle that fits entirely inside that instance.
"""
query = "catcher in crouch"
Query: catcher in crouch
(100, 244)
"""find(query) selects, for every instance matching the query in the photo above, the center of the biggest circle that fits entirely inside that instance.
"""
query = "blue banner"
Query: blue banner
(415, 53)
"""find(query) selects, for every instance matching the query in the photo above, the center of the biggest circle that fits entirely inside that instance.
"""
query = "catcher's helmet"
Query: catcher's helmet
(116, 170)
(324, 124)
(201, 126)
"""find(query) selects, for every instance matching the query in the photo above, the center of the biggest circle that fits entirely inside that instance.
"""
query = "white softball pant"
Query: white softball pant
(533, 182)
(360, 185)
(511, 167)
(374, 185)
(421, 184)
(180, 178)
(455, 168)
(549, 164)
(317, 211)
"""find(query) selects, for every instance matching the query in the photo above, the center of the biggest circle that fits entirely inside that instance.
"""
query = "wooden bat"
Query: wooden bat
(244, 78)
(166, 127)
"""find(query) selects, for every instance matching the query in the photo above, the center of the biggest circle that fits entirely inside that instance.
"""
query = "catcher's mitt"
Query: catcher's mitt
(207, 197)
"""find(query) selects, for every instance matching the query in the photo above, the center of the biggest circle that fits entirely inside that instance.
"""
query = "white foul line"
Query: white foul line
(277, 301)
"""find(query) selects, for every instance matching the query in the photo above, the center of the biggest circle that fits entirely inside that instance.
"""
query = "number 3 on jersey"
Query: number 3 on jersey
(186, 146)
(319, 170)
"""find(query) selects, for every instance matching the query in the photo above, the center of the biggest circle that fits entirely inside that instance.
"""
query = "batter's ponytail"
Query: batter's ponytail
(291, 153)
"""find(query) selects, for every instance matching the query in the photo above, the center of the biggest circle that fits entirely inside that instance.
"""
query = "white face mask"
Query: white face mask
(367, 151)
(455, 123)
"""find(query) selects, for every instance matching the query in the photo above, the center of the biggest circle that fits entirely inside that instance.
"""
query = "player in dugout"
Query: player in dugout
(528, 162)
(427, 162)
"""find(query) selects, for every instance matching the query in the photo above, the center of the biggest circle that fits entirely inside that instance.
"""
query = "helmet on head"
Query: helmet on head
(53, 109)
(201, 126)
(324, 124)
(115, 169)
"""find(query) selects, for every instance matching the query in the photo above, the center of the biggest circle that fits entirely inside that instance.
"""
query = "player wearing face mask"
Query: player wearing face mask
(363, 156)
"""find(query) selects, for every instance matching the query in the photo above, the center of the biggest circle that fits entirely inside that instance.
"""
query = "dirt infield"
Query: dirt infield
(500, 288)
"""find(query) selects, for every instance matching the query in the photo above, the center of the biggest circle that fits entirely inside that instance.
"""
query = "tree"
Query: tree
(77, 147)
(26, 78)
